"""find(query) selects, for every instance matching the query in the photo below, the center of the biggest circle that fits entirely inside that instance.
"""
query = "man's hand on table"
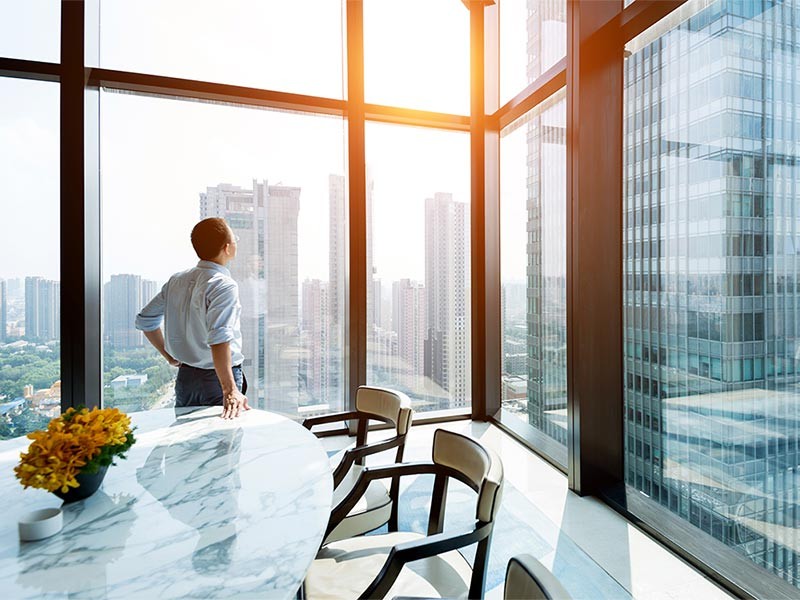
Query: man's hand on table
(235, 402)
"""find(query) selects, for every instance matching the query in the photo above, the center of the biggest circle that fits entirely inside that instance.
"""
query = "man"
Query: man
(201, 311)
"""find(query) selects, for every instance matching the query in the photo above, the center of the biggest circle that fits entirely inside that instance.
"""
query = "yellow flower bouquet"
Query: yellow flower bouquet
(77, 444)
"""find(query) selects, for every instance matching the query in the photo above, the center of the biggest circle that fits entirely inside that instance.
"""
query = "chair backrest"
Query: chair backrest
(477, 464)
(528, 579)
(391, 405)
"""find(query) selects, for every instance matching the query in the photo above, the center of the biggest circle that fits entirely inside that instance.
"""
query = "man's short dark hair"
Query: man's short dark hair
(209, 237)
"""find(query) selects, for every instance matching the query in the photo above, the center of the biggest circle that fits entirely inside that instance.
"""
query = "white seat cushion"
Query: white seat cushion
(344, 569)
(372, 510)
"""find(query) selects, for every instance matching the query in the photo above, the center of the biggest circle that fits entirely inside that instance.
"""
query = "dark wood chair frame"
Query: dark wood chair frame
(436, 541)
(357, 454)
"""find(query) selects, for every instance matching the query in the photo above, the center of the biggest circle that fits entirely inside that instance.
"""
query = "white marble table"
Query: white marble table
(202, 508)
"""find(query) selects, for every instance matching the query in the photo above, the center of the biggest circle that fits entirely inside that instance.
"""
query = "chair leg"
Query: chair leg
(438, 503)
(394, 496)
(393, 518)
(479, 568)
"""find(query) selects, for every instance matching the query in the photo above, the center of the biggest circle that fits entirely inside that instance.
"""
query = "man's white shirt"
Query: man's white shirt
(199, 307)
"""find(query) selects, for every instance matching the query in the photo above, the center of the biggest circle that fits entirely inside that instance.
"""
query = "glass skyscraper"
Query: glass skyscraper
(711, 258)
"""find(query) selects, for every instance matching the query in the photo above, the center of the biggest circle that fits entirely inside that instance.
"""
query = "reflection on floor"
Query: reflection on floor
(589, 547)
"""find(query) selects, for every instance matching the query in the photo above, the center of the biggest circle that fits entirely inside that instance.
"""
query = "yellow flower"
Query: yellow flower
(57, 454)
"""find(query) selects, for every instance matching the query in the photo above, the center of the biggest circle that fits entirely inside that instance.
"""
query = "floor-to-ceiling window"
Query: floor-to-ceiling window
(711, 263)
(417, 204)
(533, 267)
(418, 293)
(533, 232)
(30, 298)
(283, 196)
(277, 177)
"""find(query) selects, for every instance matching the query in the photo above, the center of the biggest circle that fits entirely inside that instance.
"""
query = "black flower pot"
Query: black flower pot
(87, 485)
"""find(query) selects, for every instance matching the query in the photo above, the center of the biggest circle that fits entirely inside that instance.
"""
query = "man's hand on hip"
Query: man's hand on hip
(235, 402)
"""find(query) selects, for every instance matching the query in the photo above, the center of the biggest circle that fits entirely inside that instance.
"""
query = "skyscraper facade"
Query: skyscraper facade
(711, 263)
(42, 309)
(546, 271)
(534, 312)
(447, 340)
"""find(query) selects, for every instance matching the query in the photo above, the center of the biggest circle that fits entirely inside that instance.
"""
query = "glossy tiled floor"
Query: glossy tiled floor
(591, 548)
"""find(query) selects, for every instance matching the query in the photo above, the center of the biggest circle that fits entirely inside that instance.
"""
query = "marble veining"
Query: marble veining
(202, 507)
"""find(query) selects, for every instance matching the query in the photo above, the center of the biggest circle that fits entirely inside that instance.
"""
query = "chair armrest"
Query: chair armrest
(440, 543)
(407, 552)
(354, 454)
(332, 418)
(367, 476)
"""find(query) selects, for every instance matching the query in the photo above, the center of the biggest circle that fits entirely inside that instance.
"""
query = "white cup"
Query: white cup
(40, 524)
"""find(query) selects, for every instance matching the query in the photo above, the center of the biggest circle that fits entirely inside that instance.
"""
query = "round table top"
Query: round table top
(201, 507)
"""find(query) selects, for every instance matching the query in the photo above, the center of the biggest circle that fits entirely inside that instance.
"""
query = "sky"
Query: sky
(158, 154)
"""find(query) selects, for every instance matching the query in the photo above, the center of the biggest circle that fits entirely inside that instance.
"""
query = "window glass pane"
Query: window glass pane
(711, 261)
(533, 37)
(416, 54)
(30, 29)
(286, 46)
(30, 298)
(418, 283)
(167, 163)
(533, 261)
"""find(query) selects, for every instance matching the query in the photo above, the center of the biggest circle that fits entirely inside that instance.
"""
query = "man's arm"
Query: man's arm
(234, 401)
(156, 338)
(148, 321)
(222, 313)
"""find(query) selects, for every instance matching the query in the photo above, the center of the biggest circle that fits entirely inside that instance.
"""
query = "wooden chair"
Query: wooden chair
(528, 579)
(379, 504)
(378, 566)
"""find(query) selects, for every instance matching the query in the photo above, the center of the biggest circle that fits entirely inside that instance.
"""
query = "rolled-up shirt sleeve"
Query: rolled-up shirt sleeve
(222, 314)
(150, 317)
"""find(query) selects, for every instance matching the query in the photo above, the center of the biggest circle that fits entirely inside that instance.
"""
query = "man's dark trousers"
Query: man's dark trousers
(200, 387)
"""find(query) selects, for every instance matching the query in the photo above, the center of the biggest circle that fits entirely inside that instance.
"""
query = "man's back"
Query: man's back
(200, 307)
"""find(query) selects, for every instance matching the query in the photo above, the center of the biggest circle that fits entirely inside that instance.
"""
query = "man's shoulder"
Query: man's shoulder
(222, 282)
(182, 275)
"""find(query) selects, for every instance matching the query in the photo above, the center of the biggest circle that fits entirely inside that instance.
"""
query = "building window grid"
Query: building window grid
(745, 362)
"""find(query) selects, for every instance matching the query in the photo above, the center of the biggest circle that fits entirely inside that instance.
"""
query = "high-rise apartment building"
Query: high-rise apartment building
(266, 268)
(3, 310)
(373, 301)
(410, 323)
(337, 257)
(315, 330)
(447, 339)
(42, 309)
(337, 244)
(712, 256)
(149, 290)
(124, 296)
